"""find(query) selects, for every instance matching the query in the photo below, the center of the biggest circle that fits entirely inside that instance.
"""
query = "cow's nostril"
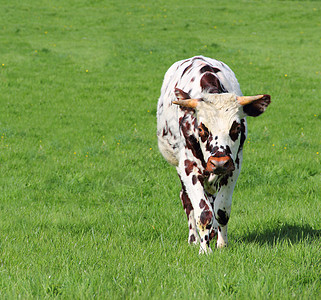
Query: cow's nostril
(227, 163)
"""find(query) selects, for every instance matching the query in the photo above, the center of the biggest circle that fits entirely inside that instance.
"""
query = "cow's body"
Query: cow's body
(204, 140)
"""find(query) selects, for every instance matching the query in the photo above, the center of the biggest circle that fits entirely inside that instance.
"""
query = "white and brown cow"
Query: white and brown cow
(201, 129)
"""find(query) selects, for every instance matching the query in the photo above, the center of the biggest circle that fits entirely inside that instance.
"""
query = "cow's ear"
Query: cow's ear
(184, 99)
(254, 105)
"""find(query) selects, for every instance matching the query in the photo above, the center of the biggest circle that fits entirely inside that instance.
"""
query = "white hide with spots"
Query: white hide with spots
(168, 114)
(203, 139)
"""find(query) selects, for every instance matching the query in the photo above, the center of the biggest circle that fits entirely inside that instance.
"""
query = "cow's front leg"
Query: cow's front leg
(222, 237)
(193, 237)
(222, 207)
(195, 197)
(222, 211)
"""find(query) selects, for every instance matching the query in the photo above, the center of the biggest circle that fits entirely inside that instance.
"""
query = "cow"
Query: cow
(201, 129)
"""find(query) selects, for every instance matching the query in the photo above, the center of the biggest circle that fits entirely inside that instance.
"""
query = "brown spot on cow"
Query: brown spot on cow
(243, 137)
(189, 166)
(165, 132)
(180, 94)
(186, 126)
(222, 217)
(209, 147)
(201, 179)
(242, 140)
(213, 233)
(235, 131)
(203, 132)
(237, 160)
(194, 179)
(192, 239)
(191, 141)
(186, 69)
(208, 68)
(211, 84)
(224, 179)
(187, 204)
(203, 204)
(198, 58)
(206, 217)
(228, 150)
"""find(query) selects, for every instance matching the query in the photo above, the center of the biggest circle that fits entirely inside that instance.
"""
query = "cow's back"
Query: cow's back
(187, 76)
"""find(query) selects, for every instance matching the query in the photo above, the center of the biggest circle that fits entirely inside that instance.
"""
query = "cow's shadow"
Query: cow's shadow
(280, 233)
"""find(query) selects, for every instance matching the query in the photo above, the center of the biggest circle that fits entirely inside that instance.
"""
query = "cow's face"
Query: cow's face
(219, 123)
(221, 126)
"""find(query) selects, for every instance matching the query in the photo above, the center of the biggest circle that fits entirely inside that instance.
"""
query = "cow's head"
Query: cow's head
(221, 125)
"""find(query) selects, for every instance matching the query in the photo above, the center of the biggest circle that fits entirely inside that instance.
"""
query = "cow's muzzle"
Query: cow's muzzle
(220, 165)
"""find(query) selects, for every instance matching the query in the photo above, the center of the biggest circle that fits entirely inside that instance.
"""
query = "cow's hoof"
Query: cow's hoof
(207, 250)
(221, 245)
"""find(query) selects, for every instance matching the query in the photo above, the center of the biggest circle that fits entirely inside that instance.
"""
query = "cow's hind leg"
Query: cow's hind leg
(193, 237)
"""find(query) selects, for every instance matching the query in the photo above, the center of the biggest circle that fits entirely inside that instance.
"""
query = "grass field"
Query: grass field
(90, 209)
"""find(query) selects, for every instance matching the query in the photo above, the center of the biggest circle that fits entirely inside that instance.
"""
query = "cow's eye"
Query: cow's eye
(203, 132)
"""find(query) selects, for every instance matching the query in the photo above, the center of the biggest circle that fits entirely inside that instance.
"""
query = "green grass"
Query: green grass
(89, 208)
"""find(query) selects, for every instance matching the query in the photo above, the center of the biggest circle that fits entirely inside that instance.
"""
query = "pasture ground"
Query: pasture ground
(90, 209)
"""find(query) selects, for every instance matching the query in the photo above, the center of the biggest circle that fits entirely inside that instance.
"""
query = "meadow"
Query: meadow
(88, 206)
